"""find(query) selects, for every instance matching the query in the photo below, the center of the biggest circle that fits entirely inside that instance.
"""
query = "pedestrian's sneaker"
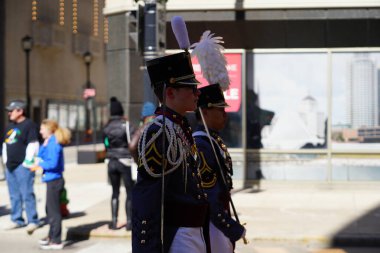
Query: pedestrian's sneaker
(52, 246)
(14, 225)
(44, 241)
(31, 228)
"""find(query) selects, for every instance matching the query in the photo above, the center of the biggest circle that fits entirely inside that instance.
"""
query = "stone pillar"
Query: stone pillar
(124, 64)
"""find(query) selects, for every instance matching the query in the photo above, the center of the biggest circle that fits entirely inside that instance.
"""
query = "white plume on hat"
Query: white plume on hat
(213, 62)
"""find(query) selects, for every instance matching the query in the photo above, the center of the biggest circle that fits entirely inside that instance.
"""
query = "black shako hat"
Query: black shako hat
(174, 70)
(211, 96)
(116, 109)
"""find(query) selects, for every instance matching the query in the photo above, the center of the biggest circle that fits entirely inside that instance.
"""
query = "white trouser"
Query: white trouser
(188, 240)
(219, 242)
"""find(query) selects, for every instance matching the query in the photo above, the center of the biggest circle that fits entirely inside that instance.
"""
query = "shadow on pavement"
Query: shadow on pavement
(4, 211)
(74, 215)
(82, 232)
(254, 190)
(361, 232)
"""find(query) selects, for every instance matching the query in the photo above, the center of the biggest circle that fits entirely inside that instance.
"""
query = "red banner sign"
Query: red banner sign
(233, 94)
(89, 93)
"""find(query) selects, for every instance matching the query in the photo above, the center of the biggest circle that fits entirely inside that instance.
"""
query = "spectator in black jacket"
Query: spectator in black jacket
(116, 138)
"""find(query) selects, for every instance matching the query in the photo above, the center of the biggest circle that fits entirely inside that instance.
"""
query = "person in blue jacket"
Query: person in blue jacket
(50, 159)
(172, 159)
(216, 169)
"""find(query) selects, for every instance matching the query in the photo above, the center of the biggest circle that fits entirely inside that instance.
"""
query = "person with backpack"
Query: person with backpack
(116, 136)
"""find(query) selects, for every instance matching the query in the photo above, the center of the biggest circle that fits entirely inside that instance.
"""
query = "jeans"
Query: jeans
(21, 192)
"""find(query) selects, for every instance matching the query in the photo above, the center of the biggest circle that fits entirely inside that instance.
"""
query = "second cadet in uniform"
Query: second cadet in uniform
(216, 169)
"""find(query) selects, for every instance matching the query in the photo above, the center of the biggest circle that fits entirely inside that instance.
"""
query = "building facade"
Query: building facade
(363, 100)
(62, 32)
(286, 50)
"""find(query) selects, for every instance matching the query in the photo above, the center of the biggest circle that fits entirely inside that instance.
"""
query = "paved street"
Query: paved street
(281, 217)
(12, 242)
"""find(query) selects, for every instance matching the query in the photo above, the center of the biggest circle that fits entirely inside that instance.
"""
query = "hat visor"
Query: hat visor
(218, 105)
(190, 81)
(10, 108)
(224, 105)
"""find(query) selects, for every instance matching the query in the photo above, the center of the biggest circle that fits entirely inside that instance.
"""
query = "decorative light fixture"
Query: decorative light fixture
(105, 33)
(34, 10)
(61, 12)
(96, 18)
(75, 16)
(87, 57)
(27, 43)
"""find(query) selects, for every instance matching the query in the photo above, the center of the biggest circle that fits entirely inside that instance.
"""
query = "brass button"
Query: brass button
(205, 195)
(199, 196)
(224, 221)
(219, 215)
(143, 222)
(143, 232)
(193, 174)
(142, 241)
(228, 225)
(198, 186)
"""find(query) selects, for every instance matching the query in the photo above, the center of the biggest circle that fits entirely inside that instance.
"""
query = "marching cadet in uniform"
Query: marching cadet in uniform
(168, 178)
(216, 163)
(217, 182)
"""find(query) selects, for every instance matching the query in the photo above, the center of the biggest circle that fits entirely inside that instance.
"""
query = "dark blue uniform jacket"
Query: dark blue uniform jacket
(186, 203)
(217, 190)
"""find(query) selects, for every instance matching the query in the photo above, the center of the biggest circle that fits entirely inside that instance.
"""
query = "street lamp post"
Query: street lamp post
(87, 57)
(27, 45)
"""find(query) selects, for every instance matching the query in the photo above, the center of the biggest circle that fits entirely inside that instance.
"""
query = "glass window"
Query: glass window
(355, 103)
(73, 116)
(287, 166)
(232, 132)
(63, 119)
(52, 112)
(287, 103)
(81, 117)
(99, 117)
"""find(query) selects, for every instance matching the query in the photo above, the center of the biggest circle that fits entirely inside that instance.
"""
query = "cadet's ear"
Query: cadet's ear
(170, 92)
(205, 112)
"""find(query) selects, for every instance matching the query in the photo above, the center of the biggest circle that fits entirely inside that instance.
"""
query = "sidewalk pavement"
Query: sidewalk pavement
(322, 213)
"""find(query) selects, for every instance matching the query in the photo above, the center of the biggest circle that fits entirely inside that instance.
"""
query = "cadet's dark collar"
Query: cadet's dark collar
(178, 119)
(172, 115)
